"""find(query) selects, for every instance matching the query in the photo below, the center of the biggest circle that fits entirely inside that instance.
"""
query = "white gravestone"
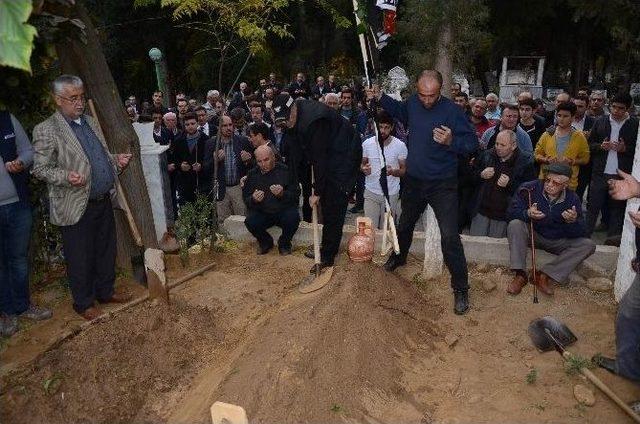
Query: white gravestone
(154, 167)
(432, 267)
(624, 273)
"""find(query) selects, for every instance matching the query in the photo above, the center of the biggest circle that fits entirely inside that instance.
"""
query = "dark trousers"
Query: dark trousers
(598, 199)
(359, 191)
(90, 251)
(173, 186)
(258, 222)
(15, 233)
(442, 196)
(584, 177)
(628, 333)
(334, 207)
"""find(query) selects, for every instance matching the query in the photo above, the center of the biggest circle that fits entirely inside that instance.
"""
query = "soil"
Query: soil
(370, 347)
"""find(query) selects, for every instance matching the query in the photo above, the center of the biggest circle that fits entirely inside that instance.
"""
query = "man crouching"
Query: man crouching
(558, 228)
(271, 194)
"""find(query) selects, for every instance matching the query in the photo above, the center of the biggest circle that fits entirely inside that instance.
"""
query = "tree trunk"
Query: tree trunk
(444, 62)
(88, 62)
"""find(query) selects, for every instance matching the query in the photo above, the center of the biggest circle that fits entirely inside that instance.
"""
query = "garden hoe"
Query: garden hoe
(548, 333)
(319, 278)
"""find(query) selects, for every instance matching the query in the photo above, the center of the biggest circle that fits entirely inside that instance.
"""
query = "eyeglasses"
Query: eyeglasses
(554, 182)
(74, 99)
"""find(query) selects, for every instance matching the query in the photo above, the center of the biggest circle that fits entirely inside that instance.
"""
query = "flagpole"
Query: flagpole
(389, 226)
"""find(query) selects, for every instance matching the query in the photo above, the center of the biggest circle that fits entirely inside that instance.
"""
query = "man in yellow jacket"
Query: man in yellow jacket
(563, 144)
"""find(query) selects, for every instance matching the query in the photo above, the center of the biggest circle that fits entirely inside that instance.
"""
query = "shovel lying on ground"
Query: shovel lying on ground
(319, 278)
(548, 333)
(137, 261)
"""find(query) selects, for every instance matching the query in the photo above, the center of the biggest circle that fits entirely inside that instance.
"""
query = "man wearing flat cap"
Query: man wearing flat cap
(558, 227)
(326, 142)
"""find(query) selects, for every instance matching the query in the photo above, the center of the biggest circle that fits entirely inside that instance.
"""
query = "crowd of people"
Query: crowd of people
(272, 153)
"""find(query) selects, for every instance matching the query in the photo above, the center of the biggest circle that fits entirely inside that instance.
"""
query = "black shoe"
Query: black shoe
(262, 250)
(309, 253)
(284, 251)
(321, 265)
(608, 364)
(356, 209)
(393, 262)
(461, 302)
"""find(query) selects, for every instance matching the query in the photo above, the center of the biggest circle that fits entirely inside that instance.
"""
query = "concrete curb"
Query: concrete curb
(477, 249)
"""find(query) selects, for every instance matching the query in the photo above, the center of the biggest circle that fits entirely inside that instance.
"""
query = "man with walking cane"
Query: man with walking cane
(555, 214)
(438, 132)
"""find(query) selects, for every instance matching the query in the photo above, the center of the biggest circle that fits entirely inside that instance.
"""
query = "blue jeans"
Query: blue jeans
(628, 333)
(15, 233)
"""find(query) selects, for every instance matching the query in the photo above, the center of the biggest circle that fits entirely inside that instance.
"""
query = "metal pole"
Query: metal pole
(158, 60)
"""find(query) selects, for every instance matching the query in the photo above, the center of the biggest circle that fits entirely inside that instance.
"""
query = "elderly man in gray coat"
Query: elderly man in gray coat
(71, 156)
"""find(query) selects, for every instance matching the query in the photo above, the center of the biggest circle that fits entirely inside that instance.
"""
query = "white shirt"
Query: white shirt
(204, 129)
(611, 166)
(578, 124)
(394, 152)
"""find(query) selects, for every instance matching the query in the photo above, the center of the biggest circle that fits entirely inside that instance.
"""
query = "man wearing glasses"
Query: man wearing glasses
(71, 156)
(558, 228)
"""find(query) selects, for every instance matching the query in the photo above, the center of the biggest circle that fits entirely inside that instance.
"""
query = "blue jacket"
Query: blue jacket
(552, 226)
(427, 159)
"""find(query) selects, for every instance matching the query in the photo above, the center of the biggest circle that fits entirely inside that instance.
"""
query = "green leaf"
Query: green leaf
(16, 37)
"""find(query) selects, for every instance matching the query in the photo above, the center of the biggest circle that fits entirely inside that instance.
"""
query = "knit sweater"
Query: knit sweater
(577, 149)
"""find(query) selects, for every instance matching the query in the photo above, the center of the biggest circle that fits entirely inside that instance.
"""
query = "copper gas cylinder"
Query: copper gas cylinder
(361, 245)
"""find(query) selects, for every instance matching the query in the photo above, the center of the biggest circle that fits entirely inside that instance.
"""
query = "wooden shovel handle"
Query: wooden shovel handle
(123, 200)
(314, 220)
(605, 389)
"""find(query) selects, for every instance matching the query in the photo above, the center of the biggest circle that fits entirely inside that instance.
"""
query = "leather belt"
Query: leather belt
(99, 198)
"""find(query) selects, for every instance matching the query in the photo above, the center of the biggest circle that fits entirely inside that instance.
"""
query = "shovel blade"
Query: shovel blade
(313, 282)
(558, 330)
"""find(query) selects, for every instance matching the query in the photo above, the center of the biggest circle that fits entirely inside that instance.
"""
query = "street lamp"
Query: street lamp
(156, 56)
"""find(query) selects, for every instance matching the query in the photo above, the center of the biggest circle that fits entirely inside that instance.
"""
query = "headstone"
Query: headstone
(226, 413)
(432, 248)
(624, 273)
(154, 167)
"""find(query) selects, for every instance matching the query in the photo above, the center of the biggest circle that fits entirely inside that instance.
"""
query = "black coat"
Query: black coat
(189, 180)
(600, 131)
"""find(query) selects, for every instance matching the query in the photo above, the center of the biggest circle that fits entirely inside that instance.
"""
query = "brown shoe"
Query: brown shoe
(516, 285)
(118, 298)
(544, 283)
(91, 313)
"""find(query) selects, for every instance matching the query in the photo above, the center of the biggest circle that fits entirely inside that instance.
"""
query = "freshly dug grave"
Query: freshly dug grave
(109, 372)
(337, 352)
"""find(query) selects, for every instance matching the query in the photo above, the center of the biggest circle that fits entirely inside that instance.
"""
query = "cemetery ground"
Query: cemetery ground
(370, 347)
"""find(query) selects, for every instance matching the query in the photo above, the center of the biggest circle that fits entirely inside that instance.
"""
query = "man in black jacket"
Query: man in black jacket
(499, 171)
(331, 146)
(271, 194)
(612, 142)
(189, 154)
(584, 123)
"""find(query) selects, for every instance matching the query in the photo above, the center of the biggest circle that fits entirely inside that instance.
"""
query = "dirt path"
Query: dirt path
(368, 348)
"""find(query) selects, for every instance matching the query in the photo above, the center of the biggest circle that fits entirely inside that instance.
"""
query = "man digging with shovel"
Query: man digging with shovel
(330, 145)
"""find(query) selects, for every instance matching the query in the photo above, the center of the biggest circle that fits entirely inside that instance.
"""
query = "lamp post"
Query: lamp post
(156, 56)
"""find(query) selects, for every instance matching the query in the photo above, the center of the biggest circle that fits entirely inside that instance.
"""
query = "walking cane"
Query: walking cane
(533, 250)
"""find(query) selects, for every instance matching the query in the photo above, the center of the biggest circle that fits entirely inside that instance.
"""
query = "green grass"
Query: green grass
(532, 376)
(336, 408)
(573, 365)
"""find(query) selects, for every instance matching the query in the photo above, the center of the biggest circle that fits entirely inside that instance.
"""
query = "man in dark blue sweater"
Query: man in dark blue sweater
(558, 228)
(439, 131)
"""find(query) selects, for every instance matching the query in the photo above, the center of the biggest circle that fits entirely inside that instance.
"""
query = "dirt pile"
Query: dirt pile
(337, 351)
(110, 372)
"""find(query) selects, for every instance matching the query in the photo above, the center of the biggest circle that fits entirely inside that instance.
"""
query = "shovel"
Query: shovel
(548, 333)
(319, 278)
(137, 261)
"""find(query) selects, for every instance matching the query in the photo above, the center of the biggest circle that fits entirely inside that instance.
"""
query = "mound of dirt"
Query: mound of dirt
(336, 353)
(110, 372)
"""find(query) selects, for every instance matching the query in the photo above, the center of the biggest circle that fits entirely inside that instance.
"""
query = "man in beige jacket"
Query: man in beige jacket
(71, 156)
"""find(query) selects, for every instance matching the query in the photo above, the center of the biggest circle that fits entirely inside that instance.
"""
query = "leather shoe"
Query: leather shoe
(284, 251)
(393, 262)
(516, 285)
(608, 364)
(91, 313)
(321, 265)
(263, 250)
(117, 298)
(545, 283)
(309, 253)
(461, 302)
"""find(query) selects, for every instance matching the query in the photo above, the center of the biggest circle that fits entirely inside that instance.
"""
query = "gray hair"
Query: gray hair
(331, 95)
(213, 93)
(493, 96)
(512, 135)
(58, 84)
